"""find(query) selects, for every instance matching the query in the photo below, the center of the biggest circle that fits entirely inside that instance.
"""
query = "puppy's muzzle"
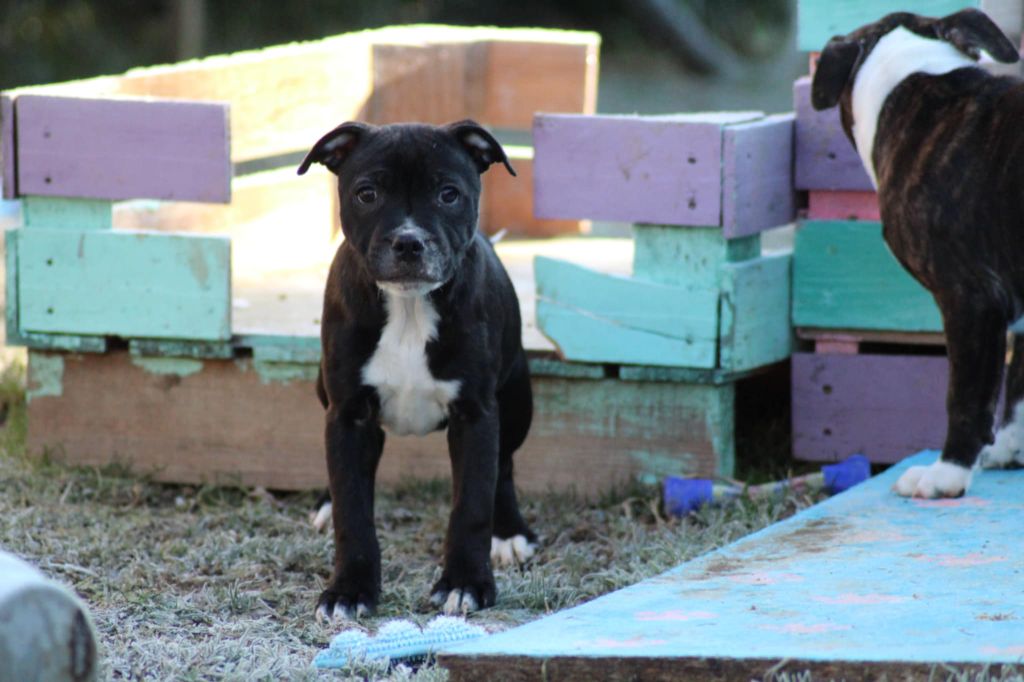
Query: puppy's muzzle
(407, 247)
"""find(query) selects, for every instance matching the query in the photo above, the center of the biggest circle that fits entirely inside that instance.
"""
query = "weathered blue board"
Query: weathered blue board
(863, 584)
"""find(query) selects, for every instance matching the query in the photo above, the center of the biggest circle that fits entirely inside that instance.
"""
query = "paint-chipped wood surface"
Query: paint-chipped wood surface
(862, 585)
(256, 422)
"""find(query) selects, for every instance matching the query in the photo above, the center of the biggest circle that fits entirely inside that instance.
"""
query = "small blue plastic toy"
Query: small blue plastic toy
(684, 495)
(396, 640)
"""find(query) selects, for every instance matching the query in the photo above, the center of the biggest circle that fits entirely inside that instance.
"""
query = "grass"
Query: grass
(195, 583)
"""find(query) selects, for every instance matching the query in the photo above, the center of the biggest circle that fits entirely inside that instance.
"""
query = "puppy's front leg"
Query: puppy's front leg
(975, 329)
(353, 451)
(467, 582)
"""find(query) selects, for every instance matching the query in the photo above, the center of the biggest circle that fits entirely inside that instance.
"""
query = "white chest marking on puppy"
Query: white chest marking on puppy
(898, 54)
(412, 401)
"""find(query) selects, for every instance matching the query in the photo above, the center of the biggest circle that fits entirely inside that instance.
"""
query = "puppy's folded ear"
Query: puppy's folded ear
(835, 66)
(333, 148)
(480, 144)
(970, 30)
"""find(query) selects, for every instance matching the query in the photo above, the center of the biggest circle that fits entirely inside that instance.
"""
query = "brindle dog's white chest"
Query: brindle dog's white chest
(412, 401)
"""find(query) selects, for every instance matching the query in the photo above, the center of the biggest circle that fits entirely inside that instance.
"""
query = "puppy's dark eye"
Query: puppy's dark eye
(366, 195)
(449, 195)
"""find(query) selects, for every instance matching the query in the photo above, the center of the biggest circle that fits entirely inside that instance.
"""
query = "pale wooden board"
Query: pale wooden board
(690, 258)
(507, 202)
(236, 421)
(123, 149)
(866, 585)
(819, 20)
(845, 277)
(825, 158)
(124, 283)
(283, 98)
(60, 213)
(842, 205)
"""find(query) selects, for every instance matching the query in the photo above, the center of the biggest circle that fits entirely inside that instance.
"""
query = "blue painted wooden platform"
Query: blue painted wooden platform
(863, 583)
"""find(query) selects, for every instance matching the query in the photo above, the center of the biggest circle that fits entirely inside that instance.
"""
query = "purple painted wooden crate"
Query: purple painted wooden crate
(731, 170)
(123, 149)
(882, 406)
(825, 158)
(7, 146)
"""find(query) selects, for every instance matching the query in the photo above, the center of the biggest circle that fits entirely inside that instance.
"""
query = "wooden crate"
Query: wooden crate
(818, 20)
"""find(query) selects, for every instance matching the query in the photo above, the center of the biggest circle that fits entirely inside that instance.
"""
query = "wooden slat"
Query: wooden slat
(755, 328)
(283, 98)
(881, 406)
(595, 317)
(123, 149)
(671, 170)
(7, 147)
(690, 258)
(819, 20)
(871, 336)
(54, 213)
(825, 158)
(825, 205)
(129, 284)
(845, 277)
(757, 176)
(249, 423)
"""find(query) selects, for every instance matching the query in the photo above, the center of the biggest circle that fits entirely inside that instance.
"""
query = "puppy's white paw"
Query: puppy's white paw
(455, 603)
(940, 479)
(339, 613)
(321, 517)
(513, 551)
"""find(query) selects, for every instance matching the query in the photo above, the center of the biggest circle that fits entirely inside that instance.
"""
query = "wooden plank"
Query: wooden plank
(430, 82)
(8, 149)
(863, 586)
(283, 98)
(62, 213)
(12, 332)
(825, 158)
(665, 170)
(755, 329)
(241, 422)
(123, 149)
(824, 205)
(131, 284)
(845, 277)
(758, 176)
(593, 316)
(819, 20)
(871, 336)
(881, 406)
(691, 258)
(507, 202)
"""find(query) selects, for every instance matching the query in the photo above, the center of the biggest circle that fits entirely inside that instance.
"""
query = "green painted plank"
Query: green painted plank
(819, 20)
(130, 284)
(689, 257)
(164, 348)
(845, 277)
(13, 333)
(687, 314)
(553, 367)
(585, 338)
(60, 213)
(65, 342)
(755, 328)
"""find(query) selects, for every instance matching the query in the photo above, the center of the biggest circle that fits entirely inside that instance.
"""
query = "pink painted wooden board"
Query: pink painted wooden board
(668, 170)
(758, 176)
(10, 189)
(825, 158)
(844, 205)
(123, 148)
(882, 406)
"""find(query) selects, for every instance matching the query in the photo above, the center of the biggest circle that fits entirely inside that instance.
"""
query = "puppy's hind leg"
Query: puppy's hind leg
(976, 340)
(1007, 452)
(513, 543)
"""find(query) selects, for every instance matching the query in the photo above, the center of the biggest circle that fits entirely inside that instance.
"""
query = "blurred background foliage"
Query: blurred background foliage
(692, 53)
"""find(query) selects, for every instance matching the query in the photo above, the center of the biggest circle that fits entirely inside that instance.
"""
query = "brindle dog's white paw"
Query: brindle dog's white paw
(513, 551)
(940, 479)
(339, 612)
(321, 517)
(455, 603)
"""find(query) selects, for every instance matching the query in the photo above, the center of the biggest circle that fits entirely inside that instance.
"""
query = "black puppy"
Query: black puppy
(943, 140)
(421, 331)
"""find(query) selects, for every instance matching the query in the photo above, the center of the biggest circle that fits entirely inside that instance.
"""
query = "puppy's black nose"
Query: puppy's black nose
(407, 246)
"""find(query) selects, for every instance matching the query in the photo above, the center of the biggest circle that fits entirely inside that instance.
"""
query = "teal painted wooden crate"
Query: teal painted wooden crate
(819, 20)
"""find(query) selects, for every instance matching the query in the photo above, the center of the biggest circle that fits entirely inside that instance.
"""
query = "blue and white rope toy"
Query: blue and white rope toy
(396, 640)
